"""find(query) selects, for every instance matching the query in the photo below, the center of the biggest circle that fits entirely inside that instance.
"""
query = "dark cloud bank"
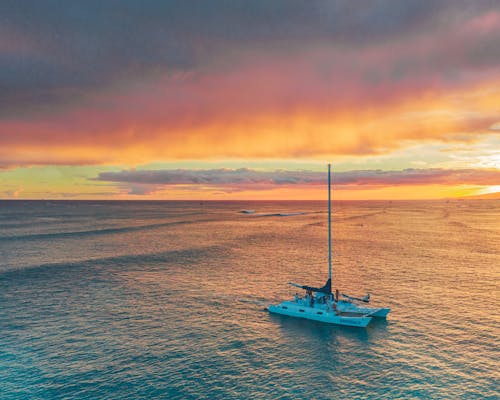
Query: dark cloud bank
(53, 53)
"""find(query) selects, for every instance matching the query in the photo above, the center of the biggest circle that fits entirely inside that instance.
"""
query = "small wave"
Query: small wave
(260, 303)
(336, 219)
(279, 214)
(184, 256)
(106, 231)
(458, 224)
(362, 215)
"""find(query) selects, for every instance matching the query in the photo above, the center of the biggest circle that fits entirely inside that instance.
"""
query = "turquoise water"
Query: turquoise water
(166, 300)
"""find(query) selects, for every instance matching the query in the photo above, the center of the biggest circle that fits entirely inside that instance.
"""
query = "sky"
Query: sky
(212, 100)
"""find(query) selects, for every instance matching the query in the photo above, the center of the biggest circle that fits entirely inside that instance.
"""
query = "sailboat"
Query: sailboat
(320, 304)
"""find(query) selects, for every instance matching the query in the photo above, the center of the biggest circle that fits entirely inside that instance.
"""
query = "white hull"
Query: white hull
(320, 313)
(347, 306)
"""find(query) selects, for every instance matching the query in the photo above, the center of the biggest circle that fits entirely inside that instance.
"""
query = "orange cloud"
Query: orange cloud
(143, 127)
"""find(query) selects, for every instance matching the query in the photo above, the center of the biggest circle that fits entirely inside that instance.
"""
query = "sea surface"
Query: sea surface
(147, 300)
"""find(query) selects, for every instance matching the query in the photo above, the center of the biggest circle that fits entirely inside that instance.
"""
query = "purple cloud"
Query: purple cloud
(56, 53)
(149, 181)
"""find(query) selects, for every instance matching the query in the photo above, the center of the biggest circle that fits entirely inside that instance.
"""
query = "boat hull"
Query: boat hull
(292, 309)
(347, 306)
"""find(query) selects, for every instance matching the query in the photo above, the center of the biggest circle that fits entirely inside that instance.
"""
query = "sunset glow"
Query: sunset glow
(369, 87)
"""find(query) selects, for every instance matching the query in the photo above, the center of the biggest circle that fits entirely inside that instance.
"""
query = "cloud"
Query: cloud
(54, 51)
(240, 115)
(221, 176)
(55, 54)
(495, 126)
(123, 82)
(228, 180)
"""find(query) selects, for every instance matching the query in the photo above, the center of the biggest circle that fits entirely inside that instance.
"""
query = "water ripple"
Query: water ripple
(175, 309)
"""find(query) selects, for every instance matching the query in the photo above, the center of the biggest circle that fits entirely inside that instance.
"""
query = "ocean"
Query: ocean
(150, 300)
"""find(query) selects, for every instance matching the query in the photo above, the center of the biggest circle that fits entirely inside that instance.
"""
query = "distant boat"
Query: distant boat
(319, 304)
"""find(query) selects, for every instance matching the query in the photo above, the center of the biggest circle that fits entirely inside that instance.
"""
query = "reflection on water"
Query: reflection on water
(166, 300)
(325, 334)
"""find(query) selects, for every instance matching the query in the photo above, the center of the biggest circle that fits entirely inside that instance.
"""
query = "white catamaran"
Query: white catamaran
(320, 304)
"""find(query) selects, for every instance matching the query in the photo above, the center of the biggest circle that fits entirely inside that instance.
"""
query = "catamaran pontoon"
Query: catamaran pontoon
(320, 304)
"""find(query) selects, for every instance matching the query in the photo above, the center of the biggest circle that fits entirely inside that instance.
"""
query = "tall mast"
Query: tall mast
(329, 226)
